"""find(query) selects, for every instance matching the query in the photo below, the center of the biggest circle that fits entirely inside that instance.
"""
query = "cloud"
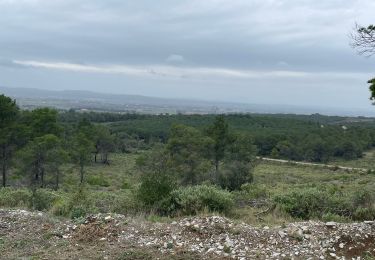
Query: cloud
(183, 72)
(175, 58)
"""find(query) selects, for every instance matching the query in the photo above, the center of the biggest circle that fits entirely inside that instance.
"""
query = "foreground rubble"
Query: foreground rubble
(110, 236)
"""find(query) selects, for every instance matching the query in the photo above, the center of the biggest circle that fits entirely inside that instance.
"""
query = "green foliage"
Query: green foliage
(8, 119)
(194, 199)
(189, 153)
(372, 88)
(43, 121)
(219, 132)
(361, 214)
(104, 142)
(8, 111)
(61, 207)
(235, 174)
(99, 180)
(44, 199)
(39, 156)
(294, 137)
(81, 150)
(239, 163)
(12, 198)
(252, 191)
(327, 202)
(155, 187)
(334, 217)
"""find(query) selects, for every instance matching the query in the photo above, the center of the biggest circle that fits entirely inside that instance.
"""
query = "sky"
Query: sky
(293, 52)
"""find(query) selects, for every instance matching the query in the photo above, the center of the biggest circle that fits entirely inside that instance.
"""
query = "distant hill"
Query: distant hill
(29, 98)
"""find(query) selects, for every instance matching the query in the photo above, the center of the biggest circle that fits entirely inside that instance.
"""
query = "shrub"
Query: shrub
(314, 203)
(15, 197)
(44, 199)
(334, 217)
(363, 197)
(254, 191)
(78, 212)
(235, 174)
(364, 214)
(98, 181)
(191, 200)
(121, 202)
(155, 187)
(61, 207)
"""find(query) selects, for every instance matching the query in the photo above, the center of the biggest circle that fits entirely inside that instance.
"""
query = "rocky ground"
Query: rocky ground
(35, 235)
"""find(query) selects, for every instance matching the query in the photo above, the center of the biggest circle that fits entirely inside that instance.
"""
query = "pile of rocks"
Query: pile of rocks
(209, 237)
(216, 236)
(220, 237)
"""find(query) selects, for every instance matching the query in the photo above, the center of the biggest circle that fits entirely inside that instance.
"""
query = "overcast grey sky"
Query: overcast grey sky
(257, 51)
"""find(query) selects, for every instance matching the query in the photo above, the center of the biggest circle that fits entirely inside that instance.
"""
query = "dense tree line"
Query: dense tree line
(38, 143)
(311, 138)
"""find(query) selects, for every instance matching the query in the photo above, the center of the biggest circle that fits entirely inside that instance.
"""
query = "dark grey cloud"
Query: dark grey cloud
(217, 49)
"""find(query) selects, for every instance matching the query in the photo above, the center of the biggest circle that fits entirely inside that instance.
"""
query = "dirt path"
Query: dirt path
(329, 166)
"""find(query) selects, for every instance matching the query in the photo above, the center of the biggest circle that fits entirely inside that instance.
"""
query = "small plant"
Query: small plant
(227, 249)
(77, 212)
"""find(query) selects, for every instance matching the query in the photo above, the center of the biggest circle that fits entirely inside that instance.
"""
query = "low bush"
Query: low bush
(194, 199)
(154, 188)
(235, 174)
(99, 180)
(328, 203)
(254, 191)
(61, 207)
(15, 197)
(313, 203)
(44, 199)
(121, 202)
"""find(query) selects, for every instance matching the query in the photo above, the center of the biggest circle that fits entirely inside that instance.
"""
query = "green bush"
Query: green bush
(98, 181)
(235, 174)
(334, 217)
(328, 203)
(363, 198)
(15, 197)
(61, 207)
(78, 212)
(121, 202)
(192, 200)
(155, 188)
(44, 199)
(253, 191)
(314, 203)
(364, 214)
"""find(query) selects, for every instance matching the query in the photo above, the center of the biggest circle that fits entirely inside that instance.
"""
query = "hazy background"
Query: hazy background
(293, 52)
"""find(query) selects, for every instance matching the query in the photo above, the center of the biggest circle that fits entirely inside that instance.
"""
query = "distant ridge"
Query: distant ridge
(82, 99)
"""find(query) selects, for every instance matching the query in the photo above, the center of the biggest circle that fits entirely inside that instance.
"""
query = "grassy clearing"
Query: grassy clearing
(280, 178)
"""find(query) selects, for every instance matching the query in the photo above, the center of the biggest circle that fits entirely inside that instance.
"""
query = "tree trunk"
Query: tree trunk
(81, 173)
(57, 179)
(4, 167)
(4, 171)
(42, 177)
(216, 167)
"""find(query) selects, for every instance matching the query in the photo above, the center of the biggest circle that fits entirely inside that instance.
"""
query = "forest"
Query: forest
(72, 163)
